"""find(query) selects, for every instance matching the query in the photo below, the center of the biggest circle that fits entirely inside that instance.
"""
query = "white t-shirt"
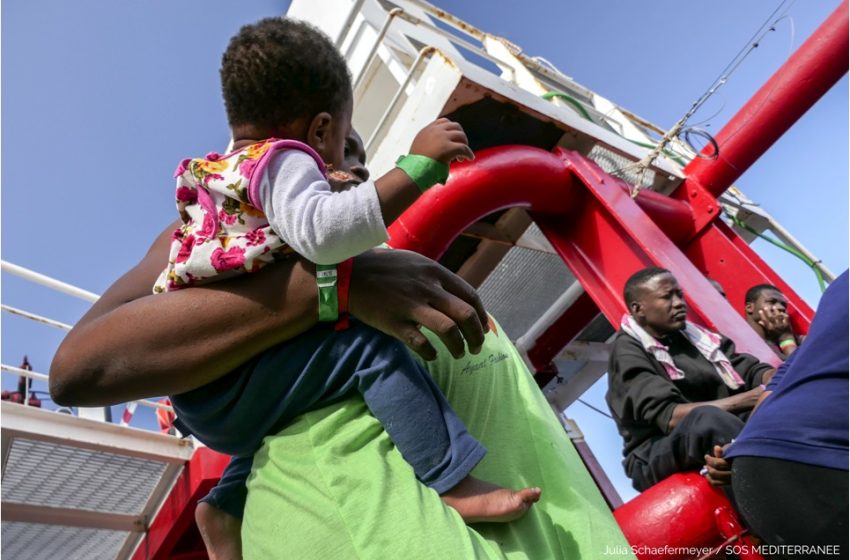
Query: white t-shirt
(322, 226)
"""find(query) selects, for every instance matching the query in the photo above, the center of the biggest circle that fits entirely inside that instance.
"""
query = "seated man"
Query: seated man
(766, 310)
(677, 391)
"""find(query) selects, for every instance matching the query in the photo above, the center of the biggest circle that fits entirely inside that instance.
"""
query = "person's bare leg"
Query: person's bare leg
(222, 533)
(478, 501)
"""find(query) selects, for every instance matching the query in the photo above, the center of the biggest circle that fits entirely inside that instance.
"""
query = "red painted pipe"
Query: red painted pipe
(678, 515)
(507, 177)
(674, 217)
(499, 178)
(808, 74)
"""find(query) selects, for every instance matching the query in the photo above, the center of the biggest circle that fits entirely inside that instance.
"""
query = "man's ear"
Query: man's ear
(636, 309)
(750, 307)
(318, 131)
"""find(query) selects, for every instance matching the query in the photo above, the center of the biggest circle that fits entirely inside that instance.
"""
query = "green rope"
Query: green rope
(809, 262)
(569, 99)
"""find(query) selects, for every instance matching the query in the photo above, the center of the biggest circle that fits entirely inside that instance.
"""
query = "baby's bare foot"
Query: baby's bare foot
(478, 501)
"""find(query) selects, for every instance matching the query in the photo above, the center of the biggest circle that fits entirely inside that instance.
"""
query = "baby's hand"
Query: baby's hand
(444, 141)
(341, 180)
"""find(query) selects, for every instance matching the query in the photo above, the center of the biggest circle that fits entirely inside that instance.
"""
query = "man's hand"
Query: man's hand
(776, 324)
(761, 400)
(444, 141)
(717, 470)
(396, 292)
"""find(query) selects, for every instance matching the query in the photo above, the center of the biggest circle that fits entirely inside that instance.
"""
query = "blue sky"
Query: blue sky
(101, 99)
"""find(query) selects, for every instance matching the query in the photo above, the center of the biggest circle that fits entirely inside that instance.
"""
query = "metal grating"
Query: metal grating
(36, 541)
(617, 165)
(49, 474)
(523, 286)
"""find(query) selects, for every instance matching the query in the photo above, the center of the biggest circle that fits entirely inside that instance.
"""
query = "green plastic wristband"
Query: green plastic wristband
(423, 171)
(328, 298)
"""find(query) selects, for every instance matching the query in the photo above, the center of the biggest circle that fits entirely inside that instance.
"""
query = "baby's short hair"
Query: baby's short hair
(278, 70)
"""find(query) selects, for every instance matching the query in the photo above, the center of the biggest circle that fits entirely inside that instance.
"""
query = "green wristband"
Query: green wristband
(423, 171)
(328, 298)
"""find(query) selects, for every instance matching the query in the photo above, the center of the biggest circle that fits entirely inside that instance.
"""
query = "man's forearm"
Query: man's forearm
(133, 344)
(242, 319)
(743, 402)
(174, 342)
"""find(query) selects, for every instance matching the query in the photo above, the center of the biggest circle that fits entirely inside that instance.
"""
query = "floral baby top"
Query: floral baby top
(224, 232)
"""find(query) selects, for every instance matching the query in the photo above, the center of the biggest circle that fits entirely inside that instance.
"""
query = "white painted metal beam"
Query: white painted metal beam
(153, 505)
(43, 425)
(565, 394)
(70, 517)
(586, 351)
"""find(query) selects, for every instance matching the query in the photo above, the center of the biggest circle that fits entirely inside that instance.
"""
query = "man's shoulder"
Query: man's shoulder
(624, 339)
(625, 345)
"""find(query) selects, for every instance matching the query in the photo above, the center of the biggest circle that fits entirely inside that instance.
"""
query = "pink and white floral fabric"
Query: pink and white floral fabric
(225, 231)
(706, 341)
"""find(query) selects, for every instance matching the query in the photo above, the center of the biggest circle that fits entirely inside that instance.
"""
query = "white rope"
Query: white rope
(34, 317)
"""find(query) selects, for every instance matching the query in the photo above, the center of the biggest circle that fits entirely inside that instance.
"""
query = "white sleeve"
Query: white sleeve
(322, 226)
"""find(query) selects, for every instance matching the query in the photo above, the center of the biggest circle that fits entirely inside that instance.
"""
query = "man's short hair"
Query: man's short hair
(279, 70)
(754, 292)
(631, 291)
(717, 286)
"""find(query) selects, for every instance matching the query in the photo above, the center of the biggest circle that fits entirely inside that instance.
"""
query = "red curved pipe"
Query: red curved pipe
(674, 217)
(507, 177)
(499, 178)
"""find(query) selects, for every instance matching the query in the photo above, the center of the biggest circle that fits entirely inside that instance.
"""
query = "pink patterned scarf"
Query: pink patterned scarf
(707, 342)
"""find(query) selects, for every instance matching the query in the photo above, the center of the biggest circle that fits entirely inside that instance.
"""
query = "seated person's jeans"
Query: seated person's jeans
(684, 448)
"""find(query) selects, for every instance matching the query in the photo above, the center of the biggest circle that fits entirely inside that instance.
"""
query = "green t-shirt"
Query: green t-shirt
(333, 486)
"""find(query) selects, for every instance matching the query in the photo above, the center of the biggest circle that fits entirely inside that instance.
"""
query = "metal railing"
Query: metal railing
(507, 60)
(61, 287)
